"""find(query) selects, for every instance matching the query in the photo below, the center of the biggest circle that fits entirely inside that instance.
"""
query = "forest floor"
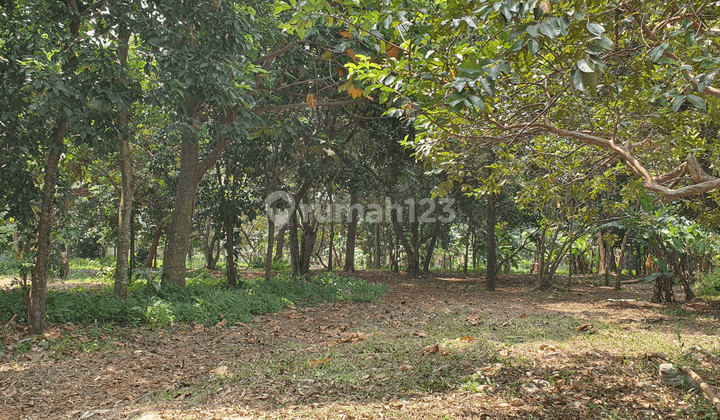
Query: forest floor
(514, 353)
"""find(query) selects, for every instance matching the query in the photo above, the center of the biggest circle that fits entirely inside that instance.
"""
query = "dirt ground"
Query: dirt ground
(188, 372)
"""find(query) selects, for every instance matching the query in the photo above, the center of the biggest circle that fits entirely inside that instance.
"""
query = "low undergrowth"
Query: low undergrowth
(205, 300)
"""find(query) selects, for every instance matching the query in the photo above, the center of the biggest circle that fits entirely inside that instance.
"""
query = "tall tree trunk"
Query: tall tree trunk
(191, 172)
(467, 248)
(429, 254)
(331, 245)
(331, 236)
(474, 250)
(124, 216)
(280, 243)
(307, 245)
(38, 291)
(602, 254)
(132, 242)
(154, 246)
(230, 269)
(178, 234)
(618, 273)
(351, 233)
(269, 250)
(127, 184)
(378, 249)
(491, 250)
(213, 256)
(412, 250)
(609, 262)
(294, 246)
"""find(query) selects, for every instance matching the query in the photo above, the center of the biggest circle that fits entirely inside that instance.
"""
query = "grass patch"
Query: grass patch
(205, 299)
(380, 367)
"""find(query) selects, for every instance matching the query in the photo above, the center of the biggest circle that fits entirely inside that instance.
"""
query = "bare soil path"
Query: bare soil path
(514, 353)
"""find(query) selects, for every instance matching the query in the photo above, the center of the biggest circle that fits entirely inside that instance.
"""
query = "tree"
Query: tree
(502, 72)
(62, 84)
(202, 84)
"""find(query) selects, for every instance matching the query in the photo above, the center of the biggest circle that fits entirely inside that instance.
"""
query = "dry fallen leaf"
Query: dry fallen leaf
(585, 327)
(352, 337)
(222, 323)
(220, 370)
(319, 361)
(432, 349)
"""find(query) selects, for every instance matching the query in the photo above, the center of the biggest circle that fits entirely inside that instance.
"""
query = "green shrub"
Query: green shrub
(709, 285)
(205, 299)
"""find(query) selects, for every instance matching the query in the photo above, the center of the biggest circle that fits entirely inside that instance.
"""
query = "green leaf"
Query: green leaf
(595, 29)
(532, 30)
(697, 102)
(584, 66)
(533, 46)
(578, 80)
(658, 51)
(605, 43)
(677, 103)
(477, 102)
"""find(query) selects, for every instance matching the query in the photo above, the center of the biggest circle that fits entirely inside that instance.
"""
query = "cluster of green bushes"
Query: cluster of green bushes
(709, 285)
(205, 299)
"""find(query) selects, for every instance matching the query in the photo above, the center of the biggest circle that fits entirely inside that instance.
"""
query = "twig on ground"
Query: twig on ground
(705, 387)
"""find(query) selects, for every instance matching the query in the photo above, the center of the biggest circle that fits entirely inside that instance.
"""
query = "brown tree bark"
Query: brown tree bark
(294, 245)
(269, 249)
(623, 247)
(490, 275)
(38, 291)
(127, 183)
(192, 170)
(230, 270)
(351, 234)
(154, 246)
(429, 254)
(602, 257)
(280, 243)
(378, 249)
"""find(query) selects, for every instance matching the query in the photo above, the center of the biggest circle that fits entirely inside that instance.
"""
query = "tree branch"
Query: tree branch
(703, 181)
(279, 108)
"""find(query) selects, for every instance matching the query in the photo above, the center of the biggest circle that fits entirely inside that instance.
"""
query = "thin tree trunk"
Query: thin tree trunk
(124, 216)
(127, 184)
(378, 250)
(132, 242)
(491, 251)
(351, 233)
(467, 249)
(602, 254)
(213, 252)
(280, 243)
(38, 291)
(269, 250)
(230, 269)
(623, 247)
(429, 254)
(294, 246)
(331, 236)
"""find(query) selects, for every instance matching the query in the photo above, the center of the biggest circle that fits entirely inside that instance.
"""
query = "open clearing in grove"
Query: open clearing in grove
(514, 353)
